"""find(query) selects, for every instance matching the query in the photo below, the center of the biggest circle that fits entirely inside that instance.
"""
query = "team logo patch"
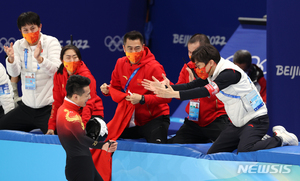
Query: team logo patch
(139, 81)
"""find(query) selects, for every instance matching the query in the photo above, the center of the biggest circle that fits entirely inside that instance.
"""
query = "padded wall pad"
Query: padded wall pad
(28, 137)
(283, 155)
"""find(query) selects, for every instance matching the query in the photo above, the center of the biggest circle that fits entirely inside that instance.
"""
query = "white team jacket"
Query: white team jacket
(239, 109)
(42, 95)
(6, 100)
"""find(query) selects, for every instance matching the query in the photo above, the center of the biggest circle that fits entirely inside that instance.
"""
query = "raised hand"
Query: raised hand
(191, 75)
(166, 92)
(104, 88)
(152, 85)
(10, 52)
(37, 52)
(166, 81)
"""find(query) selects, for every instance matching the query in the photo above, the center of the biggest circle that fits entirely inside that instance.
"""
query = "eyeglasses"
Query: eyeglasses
(197, 65)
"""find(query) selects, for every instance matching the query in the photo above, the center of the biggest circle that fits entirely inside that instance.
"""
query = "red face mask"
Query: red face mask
(134, 57)
(71, 66)
(201, 73)
(32, 38)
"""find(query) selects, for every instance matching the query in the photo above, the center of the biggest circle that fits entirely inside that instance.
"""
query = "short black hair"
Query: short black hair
(243, 57)
(199, 37)
(75, 85)
(28, 18)
(133, 35)
(206, 53)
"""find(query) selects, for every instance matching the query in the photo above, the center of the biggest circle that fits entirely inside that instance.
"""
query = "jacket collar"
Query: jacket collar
(70, 104)
(218, 68)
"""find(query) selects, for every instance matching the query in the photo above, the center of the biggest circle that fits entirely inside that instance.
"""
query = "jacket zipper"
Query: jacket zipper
(148, 110)
(244, 105)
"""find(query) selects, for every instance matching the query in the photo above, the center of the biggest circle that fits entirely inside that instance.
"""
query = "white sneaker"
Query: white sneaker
(287, 138)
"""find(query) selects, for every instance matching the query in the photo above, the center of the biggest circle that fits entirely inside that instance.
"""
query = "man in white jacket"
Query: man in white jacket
(243, 103)
(6, 93)
(36, 57)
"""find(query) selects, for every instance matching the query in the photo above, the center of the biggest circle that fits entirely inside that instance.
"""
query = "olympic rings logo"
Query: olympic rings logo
(114, 43)
(259, 63)
(5, 42)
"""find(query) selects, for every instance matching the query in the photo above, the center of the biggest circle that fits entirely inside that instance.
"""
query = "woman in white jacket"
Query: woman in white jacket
(36, 57)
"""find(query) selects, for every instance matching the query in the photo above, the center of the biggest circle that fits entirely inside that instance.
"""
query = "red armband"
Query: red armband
(212, 88)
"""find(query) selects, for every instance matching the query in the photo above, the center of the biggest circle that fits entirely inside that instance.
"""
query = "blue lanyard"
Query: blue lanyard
(26, 58)
(132, 75)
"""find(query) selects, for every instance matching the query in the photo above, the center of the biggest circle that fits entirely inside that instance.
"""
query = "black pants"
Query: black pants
(246, 138)
(81, 168)
(155, 131)
(24, 118)
(190, 132)
(1, 112)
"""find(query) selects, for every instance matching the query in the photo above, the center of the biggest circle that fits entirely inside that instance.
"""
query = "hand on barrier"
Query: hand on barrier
(50, 132)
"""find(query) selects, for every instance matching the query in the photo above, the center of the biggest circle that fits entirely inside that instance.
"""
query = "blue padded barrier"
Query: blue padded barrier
(283, 155)
(38, 156)
(170, 149)
(27, 161)
(28, 137)
(140, 166)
